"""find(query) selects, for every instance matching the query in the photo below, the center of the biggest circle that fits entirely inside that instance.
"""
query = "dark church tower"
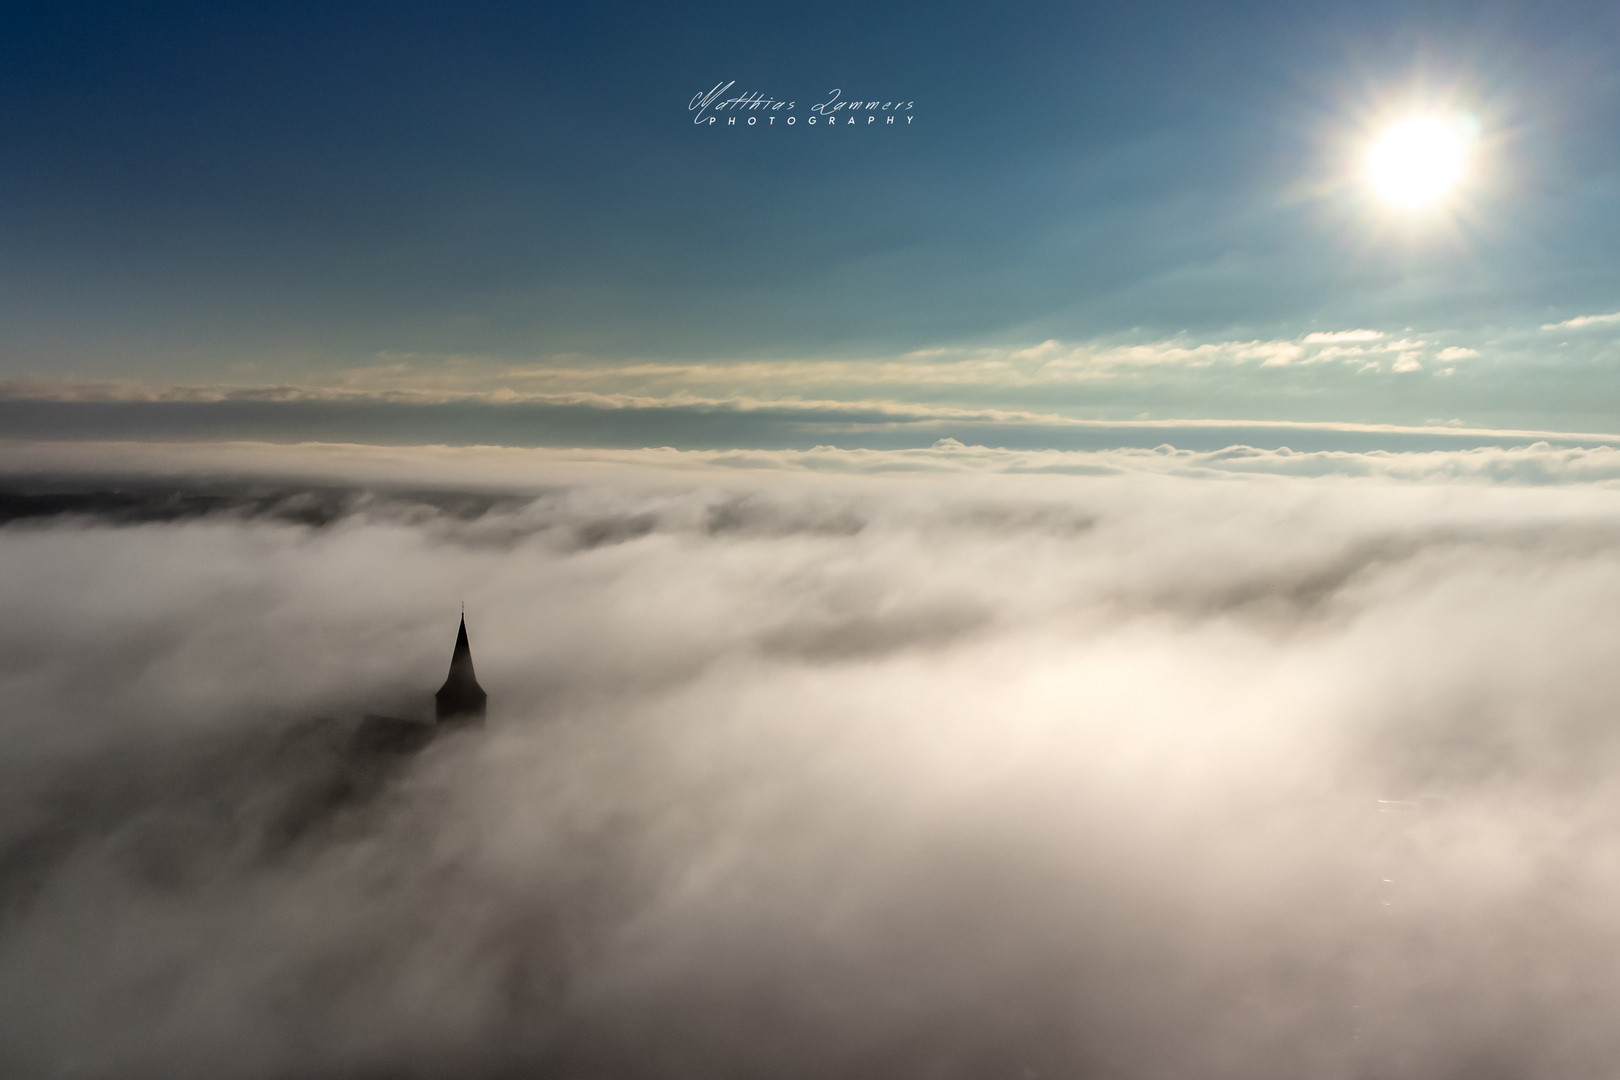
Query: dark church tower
(460, 696)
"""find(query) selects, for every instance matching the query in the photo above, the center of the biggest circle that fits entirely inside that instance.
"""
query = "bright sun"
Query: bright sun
(1416, 162)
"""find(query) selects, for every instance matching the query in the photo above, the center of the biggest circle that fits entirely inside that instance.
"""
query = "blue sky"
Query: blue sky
(1113, 212)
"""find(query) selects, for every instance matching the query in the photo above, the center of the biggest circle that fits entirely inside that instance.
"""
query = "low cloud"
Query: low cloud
(951, 762)
(524, 471)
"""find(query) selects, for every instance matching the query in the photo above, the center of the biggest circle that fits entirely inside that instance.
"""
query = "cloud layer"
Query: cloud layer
(1050, 393)
(936, 378)
(934, 764)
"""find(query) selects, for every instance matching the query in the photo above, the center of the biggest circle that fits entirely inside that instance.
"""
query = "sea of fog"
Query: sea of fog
(955, 763)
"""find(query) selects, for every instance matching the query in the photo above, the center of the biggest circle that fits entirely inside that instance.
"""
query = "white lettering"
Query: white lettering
(701, 102)
(705, 103)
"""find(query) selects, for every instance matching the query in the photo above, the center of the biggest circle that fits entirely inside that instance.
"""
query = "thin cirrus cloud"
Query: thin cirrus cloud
(1053, 390)
(1051, 362)
(1581, 322)
(1244, 764)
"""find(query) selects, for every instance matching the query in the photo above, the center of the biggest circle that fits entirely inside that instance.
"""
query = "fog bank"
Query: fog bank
(1129, 766)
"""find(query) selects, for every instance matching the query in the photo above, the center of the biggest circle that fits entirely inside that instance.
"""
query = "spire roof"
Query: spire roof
(460, 696)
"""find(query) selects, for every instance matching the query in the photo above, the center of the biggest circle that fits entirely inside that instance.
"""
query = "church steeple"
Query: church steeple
(460, 696)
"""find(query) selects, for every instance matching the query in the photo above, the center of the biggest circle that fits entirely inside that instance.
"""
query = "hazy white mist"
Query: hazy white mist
(935, 764)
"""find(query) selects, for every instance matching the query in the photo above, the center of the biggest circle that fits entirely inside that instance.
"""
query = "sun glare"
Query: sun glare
(1418, 161)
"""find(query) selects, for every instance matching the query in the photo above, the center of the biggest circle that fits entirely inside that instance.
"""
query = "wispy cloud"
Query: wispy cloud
(1335, 337)
(142, 393)
(801, 383)
(1046, 363)
(1581, 321)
